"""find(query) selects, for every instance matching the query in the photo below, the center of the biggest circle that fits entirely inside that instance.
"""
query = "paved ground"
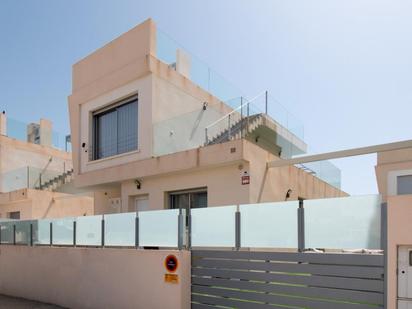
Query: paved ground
(7, 302)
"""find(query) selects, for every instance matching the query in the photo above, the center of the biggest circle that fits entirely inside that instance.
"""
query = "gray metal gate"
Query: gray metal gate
(257, 279)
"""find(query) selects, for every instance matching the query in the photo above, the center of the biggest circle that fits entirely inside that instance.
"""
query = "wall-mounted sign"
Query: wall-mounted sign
(171, 263)
(172, 278)
(245, 178)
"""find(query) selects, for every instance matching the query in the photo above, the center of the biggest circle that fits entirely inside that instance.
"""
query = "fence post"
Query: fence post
(206, 137)
(301, 227)
(247, 122)
(180, 233)
(28, 177)
(102, 231)
(51, 233)
(14, 234)
(189, 230)
(31, 234)
(237, 229)
(384, 247)
(136, 231)
(74, 233)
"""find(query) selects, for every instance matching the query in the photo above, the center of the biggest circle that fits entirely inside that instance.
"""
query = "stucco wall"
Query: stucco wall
(399, 233)
(16, 155)
(94, 278)
(36, 204)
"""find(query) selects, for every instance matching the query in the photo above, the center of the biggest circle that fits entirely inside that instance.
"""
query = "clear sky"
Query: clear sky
(344, 68)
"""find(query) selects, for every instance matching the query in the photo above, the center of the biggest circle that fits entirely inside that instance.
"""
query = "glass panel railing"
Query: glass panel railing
(347, 223)
(63, 231)
(23, 232)
(120, 229)
(6, 232)
(269, 225)
(324, 170)
(158, 228)
(41, 232)
(213, 227)
(186, 131)
(89, 230)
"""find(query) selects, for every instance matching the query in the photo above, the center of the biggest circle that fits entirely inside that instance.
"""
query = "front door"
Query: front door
(405, 277)
(188, 199)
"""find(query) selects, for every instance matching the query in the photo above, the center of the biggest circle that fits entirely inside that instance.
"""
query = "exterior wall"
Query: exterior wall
(399, 233)
(17, 155)
(36, 204)
(94, 277)
(389, 164)
(223, 181)
(102, 201)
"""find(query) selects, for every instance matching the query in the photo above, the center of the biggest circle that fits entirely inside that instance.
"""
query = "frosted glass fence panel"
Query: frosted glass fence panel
(120, 229)
(63, 231)
(213, 227)
(6, 232)
(41, 232)
(343, 223)
(158, 228)
(269, 225)
(89, 231)
(22, 232)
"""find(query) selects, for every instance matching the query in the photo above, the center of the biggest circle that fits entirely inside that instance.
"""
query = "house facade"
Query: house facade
(142, 122)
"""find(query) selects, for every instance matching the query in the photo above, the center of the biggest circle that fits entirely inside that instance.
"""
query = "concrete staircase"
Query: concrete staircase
(241, 128)
(55, 183)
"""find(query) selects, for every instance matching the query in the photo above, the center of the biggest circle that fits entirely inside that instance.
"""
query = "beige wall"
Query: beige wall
(223, 181)
(390, 163)
(94, 278)
(16, 155)
(36, 204)
(399, 233)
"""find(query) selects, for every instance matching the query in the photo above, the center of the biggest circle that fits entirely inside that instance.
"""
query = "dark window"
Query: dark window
(14, 215)
(410, 257)
(188, 199)
(404, 184)
(115, 130)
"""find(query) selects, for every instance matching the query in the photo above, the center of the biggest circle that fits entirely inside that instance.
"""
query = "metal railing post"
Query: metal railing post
(28, 177)
(102, 231)
(74, 233)
(247, 129)
(301, 227)
(51, 233)
(136, 231)
(31, 234)
(180, 231)
(266, 102)
(228, 128)
(237, 229)
(14, 234)
(384, 247)
(189, 230)
(206, 137)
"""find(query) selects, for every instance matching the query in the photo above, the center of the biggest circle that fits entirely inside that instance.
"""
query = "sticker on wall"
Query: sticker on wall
(171, 263)
(245, 178)
(171, 278)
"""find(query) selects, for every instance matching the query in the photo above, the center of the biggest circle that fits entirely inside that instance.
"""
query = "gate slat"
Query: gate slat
(310, 257)
(327, 270)
(277, 299)
(318, 281)
(305, 291)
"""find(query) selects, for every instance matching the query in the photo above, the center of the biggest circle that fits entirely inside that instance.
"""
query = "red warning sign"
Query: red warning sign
(171, 263)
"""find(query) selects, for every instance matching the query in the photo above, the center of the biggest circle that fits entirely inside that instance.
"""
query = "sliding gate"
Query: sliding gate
(256, 279)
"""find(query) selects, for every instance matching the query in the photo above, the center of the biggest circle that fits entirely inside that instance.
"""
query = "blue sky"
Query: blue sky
(344, 68)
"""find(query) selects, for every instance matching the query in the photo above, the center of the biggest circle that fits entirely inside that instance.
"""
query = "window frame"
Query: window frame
(94, 126)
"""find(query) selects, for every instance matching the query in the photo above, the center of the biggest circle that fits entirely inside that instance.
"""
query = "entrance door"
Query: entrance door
(141, 203)
(405, 277)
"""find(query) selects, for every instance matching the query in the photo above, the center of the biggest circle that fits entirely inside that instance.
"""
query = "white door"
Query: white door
(405, 272)
(141, 203)
(404, 304)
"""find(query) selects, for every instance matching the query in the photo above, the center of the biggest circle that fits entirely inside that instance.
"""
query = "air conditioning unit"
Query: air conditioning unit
(33, 133)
